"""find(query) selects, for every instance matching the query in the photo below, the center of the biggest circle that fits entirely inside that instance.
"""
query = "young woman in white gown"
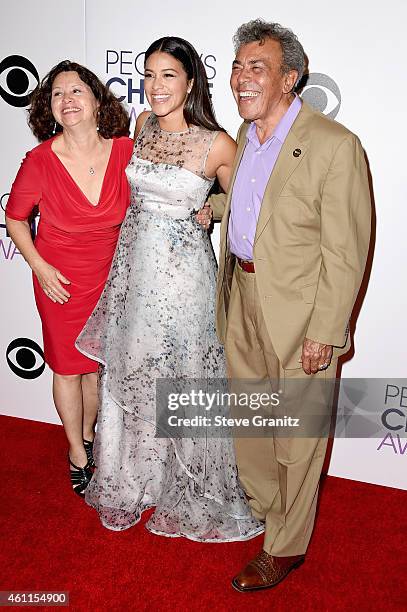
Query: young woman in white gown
(155, 319)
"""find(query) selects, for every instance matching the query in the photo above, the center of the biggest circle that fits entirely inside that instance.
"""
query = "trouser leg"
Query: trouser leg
(257, 467)
(281, 474)
(290, 520)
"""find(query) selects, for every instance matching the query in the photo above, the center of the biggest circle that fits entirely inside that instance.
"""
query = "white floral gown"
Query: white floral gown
(155, 319)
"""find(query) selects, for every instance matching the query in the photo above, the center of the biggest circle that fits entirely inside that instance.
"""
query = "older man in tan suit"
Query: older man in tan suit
(294, 240)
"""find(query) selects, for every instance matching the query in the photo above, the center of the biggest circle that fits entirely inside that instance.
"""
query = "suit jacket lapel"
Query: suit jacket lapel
(297, 138)
(239, 154)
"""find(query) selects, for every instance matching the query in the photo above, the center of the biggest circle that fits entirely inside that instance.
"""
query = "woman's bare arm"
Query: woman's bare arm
(220, 164)
(49, 277)
(220, 159)
(141, 119)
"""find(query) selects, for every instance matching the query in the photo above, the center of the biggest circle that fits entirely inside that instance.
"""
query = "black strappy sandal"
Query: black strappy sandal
(80, 477)
(89, 452)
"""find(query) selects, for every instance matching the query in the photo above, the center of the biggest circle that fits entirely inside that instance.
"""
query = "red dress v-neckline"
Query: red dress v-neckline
(78, 241)
(89, 203)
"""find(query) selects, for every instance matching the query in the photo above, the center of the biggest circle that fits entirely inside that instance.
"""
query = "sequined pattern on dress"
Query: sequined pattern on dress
(155, 319)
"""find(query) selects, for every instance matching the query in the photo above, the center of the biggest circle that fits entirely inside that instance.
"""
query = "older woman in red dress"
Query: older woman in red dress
(76, 177)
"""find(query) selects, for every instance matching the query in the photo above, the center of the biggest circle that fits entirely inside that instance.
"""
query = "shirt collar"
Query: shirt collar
(282, 128)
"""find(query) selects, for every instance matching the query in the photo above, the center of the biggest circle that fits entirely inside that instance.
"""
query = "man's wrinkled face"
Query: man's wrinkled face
(257, 81)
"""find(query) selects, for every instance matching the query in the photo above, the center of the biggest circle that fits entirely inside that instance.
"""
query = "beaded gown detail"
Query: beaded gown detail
(156, 319)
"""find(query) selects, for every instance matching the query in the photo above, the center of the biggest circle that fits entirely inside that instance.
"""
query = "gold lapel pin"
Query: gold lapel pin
(297, 152)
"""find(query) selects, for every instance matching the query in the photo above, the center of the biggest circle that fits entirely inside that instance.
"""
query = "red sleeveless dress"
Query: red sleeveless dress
(75, 237)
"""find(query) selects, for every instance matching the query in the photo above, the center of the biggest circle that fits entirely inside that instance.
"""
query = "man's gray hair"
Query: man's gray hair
(259, 30)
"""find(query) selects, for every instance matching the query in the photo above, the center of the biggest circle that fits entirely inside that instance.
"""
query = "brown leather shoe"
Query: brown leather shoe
(265, 571)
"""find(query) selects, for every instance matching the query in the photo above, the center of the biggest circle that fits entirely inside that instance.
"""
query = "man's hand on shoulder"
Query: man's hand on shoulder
(315, 356)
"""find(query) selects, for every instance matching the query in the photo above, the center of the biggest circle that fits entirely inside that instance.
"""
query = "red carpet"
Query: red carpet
(51, 540)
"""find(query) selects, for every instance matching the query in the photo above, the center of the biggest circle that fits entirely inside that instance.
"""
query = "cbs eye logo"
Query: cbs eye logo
(3, 202)
(25, 358)
(18, 78)
(322, 93)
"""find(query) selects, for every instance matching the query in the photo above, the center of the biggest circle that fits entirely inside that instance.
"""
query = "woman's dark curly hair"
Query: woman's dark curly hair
(112, 120)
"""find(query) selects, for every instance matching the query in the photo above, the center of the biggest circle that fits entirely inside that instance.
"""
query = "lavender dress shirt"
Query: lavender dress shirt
(254, 171)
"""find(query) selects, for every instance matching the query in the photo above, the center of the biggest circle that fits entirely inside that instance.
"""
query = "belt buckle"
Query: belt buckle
(246, 265)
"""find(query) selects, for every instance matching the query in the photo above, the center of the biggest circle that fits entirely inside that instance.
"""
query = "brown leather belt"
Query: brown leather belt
(247, 266)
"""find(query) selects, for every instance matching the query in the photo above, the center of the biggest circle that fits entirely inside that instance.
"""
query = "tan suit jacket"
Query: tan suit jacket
(311, 240)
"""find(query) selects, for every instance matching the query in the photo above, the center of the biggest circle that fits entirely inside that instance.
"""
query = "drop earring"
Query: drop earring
(54, 131)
